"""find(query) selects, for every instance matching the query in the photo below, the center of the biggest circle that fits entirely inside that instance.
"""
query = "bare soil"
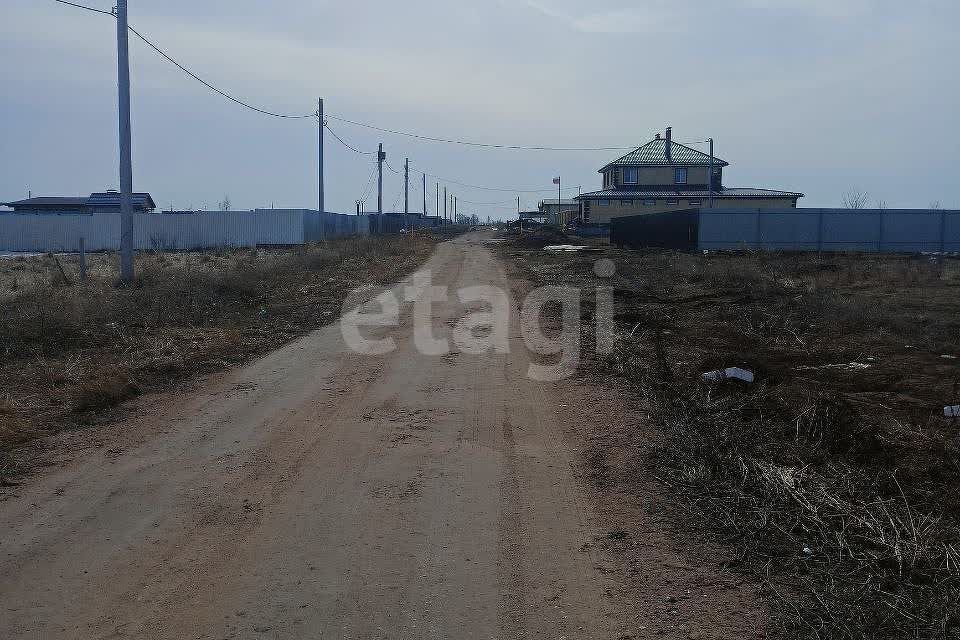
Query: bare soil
(829, 482)
(72, 351)
(316, 492)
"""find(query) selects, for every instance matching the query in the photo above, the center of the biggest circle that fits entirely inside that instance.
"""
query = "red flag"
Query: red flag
(556, 181)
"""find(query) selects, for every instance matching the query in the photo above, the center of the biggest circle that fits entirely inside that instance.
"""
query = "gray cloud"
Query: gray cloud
(810, 95)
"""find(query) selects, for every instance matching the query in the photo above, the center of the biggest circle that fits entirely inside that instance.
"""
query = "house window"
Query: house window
(603, 203)
(626, 203)
(694, 203)
(649, 203)
(680, 175)
(673, 201)
(631, 175)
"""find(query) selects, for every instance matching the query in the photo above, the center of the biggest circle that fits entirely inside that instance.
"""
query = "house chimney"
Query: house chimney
(667, 147)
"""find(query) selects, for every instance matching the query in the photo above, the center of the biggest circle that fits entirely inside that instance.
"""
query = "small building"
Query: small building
(103, 202)
(559, 212)
(663, 176)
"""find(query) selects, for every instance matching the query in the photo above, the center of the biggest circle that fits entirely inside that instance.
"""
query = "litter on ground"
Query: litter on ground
(847, 366)
(570, 247)
(731, 372)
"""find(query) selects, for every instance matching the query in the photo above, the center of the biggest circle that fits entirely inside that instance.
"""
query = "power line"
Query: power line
(274, 114)
(474, 144)
(490, 204)
(213, 88)
(191, 73)
(482, 188)
(456, 182)
(366, 190)
(348, 146)
(83, 6)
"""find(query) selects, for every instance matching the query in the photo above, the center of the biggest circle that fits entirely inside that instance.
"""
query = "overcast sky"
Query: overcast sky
(817, 96)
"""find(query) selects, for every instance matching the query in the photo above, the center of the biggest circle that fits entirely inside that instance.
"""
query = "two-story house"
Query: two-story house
(664, 175)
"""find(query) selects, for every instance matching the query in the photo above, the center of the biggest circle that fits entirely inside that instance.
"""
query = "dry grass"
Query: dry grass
(537, 238)
(833, 483)
(72, 349)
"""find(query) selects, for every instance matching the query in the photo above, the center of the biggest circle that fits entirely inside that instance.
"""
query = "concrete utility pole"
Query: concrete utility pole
(320, 118)
(381, 156)
(424, 195)
(559, 198)
(444, 204)
(455, 208)
(126, 162)
(710, 176)
(438, 199)
(406, 186)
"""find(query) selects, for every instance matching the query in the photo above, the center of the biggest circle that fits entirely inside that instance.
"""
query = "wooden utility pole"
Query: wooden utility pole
(444, 204)
(424, 195)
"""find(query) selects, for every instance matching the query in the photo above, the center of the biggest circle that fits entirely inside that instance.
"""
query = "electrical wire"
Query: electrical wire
(348, 146)
(473, 144)
(498, 189)
(314, 114)
(366, 190)
(216, 90)
(191, 73)
(456, 182)
(83, 6)
(491, 204)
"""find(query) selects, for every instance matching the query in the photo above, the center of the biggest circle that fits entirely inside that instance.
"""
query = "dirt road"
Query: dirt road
(319, 493)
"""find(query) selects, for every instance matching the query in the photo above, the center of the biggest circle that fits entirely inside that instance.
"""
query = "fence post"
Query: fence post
(943, 232)
(819, 233)
(943, 242)
(83, 261)
(880, 232)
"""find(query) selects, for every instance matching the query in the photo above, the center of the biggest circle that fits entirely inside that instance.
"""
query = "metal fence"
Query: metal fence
(877, 230)
(175, 231)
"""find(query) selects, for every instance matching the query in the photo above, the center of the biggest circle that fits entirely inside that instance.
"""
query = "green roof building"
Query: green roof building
(664, 175)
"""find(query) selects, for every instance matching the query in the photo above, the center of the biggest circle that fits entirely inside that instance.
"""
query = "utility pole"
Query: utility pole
(406, 186)
(438, 199)
(320, 119)
(381, 156)
(444, 204)
(710, 176)
(455, 215)
(424, 195)
(126, 162)
(559, 198)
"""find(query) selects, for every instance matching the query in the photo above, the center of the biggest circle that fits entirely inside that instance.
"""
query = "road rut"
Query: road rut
(320, 493)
